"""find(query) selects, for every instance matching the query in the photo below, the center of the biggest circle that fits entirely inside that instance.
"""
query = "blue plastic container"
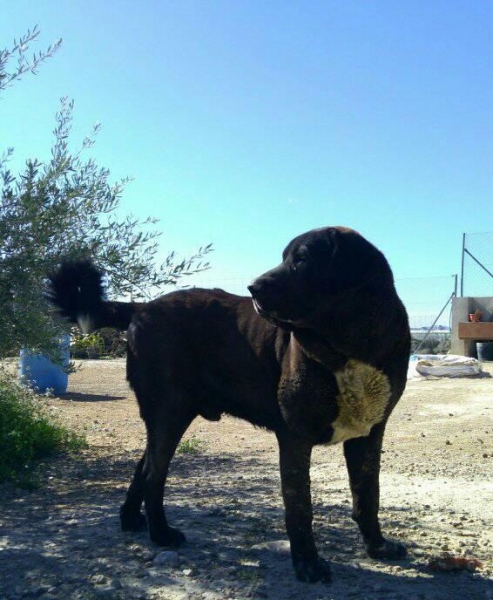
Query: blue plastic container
(39, 372)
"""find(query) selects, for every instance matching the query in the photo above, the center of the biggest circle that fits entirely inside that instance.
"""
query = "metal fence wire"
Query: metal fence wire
(477, 264)
(428, 301)
(424, 297)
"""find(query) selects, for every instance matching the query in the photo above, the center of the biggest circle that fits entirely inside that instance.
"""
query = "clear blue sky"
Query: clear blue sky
(245, 123)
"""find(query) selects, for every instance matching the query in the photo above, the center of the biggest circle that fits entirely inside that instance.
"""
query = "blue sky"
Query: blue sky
(245, 123)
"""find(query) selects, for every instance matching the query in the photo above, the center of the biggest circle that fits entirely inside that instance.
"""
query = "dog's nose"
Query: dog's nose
(254, 287)
(262, 285)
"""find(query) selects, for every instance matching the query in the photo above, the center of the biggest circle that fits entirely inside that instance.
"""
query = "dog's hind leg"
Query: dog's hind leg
(164, 431)
(131, 517)
(363, 464)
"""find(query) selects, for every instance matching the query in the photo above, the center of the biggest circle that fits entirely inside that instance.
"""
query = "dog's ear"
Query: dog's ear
(355, 261)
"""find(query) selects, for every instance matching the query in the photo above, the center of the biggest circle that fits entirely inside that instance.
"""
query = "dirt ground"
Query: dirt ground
(63, 540)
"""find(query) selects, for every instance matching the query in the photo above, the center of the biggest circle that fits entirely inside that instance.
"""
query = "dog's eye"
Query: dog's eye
(299, 259)
(301, 255)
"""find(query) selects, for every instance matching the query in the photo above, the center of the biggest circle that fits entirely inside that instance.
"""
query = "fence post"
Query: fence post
(462, 266)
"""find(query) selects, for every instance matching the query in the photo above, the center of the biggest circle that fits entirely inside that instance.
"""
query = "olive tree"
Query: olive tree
(68, 207)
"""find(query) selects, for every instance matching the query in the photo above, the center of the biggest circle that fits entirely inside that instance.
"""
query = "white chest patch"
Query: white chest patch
(363, 396)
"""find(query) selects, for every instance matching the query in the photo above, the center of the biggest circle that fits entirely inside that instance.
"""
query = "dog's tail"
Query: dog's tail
(76, 290)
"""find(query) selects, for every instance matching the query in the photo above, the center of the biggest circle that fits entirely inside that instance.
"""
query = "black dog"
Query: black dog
(319, 358)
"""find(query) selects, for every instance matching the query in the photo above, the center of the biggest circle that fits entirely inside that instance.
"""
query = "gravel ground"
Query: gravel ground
(62, 541)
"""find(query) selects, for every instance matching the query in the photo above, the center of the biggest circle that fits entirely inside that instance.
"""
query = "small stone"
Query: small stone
(281, 546)
(116, 584)
(106, 591)
(168, 558)
(40, 590)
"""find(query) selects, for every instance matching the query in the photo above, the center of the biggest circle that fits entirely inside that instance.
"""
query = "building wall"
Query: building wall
(461, 309)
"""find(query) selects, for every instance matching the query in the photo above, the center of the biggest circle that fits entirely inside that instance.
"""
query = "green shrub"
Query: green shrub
(90, 345)
(433, 344)
(27, 432)
(115, 342)
(106, 342)
(190, 446)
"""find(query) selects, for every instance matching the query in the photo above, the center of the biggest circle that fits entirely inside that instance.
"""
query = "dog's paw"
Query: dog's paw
(133, 522)
(387, 551)
(170, 537)
(313, 571)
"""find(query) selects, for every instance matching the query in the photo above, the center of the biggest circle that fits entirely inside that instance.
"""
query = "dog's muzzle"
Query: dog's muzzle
(265, 298)
(255, 289)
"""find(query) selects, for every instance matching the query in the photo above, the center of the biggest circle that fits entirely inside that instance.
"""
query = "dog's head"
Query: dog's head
(319, 268)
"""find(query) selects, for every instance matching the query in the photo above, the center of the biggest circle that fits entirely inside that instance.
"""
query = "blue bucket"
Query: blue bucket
(39, 372)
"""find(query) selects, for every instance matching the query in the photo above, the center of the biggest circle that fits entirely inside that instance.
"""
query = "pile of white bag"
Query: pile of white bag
(442, 365)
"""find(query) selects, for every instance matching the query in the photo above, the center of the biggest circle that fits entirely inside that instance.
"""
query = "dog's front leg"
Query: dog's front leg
(295, 480)
(363, 464)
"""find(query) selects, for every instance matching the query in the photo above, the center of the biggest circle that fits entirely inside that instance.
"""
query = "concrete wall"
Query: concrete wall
(461, 309)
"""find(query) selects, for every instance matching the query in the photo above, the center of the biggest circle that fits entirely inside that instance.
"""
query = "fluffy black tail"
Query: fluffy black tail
(76, 290)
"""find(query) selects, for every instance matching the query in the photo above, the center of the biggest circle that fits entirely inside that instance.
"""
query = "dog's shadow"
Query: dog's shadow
(81, 397)
(230, 509)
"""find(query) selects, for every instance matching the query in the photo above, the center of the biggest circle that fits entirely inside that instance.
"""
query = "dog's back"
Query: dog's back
(214, 347)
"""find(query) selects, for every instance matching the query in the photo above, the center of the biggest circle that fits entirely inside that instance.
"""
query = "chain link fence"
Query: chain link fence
(477, 264)
(427, 300)
(424, 299)
(231, 283)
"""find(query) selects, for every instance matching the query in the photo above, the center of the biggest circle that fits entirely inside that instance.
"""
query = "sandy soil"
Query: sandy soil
(63, 540)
